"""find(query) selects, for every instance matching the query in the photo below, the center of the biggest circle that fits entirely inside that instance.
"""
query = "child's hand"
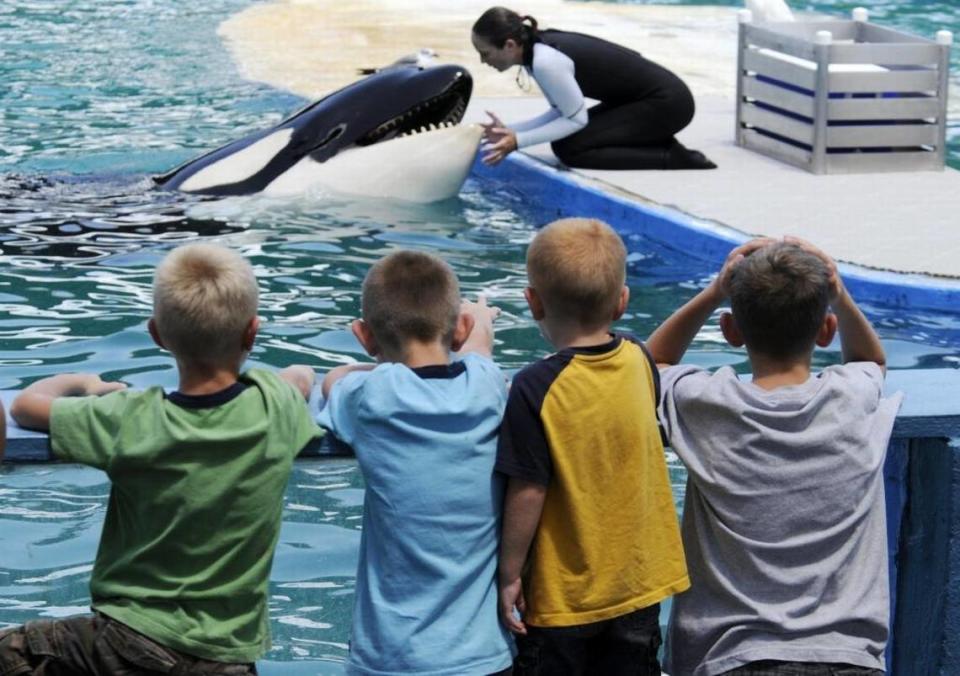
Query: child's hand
(482, 313)
(511, 597)
(88, 384)
(722, 282)
(301, 377)
(836, 283)
(480, 317)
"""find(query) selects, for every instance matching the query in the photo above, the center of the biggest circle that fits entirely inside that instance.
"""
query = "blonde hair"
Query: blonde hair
(410, 295)
(204, 296)
(578, 266)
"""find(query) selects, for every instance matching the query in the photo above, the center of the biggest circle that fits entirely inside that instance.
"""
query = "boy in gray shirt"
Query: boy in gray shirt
(784, 517)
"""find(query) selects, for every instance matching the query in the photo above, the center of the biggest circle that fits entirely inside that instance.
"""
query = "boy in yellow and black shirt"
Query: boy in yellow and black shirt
(590, 538)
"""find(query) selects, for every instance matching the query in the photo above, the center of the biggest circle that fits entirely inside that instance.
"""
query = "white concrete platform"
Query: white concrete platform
(902, 222)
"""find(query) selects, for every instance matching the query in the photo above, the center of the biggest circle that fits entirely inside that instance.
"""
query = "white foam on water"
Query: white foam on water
(310, 585)
(58, 574)
(303, 622)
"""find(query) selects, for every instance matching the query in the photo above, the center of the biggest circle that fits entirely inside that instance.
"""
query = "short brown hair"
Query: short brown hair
(410, 295)
(204, 296)
(578, 266)
(779, 296)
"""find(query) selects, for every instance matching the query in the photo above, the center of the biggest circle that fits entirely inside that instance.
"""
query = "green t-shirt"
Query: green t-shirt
(195, 507)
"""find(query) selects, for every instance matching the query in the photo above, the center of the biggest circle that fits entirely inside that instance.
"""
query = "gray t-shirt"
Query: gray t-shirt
(784, 521)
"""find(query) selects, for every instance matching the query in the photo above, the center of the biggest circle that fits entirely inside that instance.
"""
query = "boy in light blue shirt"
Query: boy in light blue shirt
(424, 430)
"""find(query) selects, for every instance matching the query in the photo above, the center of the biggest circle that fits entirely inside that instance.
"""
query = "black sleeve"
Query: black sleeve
(523, 451)
(654, 371)
(655, 374)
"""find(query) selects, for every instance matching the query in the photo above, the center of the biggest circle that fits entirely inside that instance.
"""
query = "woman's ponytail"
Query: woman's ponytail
(499, 24)
(530, 30)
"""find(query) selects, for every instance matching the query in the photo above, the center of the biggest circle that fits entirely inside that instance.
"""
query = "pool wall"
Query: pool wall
(922, 481)
(561, 193)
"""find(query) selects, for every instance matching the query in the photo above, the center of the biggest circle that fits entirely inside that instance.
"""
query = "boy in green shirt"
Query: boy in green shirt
(180, 580)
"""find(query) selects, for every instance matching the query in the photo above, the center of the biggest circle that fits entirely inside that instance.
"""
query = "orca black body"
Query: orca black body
(394, 102)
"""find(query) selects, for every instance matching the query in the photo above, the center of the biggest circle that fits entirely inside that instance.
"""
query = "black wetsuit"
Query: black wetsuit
(642, 106)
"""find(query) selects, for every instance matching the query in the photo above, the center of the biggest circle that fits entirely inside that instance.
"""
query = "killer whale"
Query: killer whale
(394, 133)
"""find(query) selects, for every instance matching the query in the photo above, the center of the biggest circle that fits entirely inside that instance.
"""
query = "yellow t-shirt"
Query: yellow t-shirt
(583, 423)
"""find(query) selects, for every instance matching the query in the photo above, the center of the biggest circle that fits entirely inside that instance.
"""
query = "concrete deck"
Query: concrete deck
(899, 222)
(902, 222)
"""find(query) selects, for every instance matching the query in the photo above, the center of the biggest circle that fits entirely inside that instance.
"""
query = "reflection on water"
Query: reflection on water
(78, 258)
(47, 220)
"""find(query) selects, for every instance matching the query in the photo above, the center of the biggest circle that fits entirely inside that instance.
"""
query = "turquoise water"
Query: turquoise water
(94, 97)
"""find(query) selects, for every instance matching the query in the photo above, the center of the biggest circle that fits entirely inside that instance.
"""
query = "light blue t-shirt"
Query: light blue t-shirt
(426, 441)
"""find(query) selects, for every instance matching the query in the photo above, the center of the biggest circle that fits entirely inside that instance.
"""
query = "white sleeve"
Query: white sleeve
(537, 121)
(554, 73)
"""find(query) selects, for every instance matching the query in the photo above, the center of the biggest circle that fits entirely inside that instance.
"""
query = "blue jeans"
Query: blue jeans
(623, 645)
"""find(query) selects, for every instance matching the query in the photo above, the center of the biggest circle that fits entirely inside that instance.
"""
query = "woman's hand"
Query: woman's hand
(501, 141)
(494, 123)
(498, 140)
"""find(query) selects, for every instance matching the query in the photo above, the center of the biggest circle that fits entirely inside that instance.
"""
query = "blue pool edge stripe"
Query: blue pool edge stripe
(562, 193)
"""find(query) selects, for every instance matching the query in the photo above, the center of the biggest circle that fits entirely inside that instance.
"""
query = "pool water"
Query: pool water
(50, 520)
(94, 97)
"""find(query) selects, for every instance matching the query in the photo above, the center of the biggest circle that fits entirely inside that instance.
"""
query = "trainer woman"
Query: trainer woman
(642, 105)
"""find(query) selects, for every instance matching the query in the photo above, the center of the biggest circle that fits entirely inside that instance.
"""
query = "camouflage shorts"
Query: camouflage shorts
(776, 668)
(95, 645)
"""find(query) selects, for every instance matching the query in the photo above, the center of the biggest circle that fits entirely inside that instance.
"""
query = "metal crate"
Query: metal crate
(837, 97)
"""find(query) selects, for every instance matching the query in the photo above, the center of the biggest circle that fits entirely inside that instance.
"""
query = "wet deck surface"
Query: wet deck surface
(904, 222)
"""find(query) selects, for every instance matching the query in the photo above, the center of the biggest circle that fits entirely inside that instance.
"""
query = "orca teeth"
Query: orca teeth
(442, 112)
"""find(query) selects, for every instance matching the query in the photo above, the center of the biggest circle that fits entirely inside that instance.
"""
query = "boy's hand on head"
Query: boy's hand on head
(836, 282)
(511, 597)
(670, 340)
(858, 339)
(722, 282)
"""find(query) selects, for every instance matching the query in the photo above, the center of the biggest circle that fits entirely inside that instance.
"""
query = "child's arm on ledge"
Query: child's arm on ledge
(669, 342)
(339, 372)
(32, 406)
(858, 340)
(301, 377)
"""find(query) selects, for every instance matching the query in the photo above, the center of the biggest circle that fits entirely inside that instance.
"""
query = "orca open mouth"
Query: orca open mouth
(393, 102)
(444, 110)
